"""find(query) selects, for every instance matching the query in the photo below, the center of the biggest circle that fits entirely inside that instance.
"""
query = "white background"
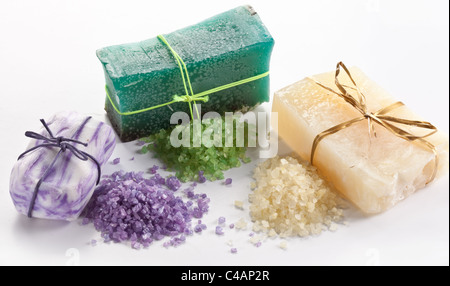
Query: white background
(48, 64)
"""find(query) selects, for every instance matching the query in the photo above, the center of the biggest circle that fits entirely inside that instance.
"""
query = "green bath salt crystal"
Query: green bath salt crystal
(212, 160)
(229, 52)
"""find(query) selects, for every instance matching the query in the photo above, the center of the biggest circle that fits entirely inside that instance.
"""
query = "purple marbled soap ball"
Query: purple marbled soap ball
(70, 182)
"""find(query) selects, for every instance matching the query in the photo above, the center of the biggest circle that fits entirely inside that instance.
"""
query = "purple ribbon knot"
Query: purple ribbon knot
(63, 144)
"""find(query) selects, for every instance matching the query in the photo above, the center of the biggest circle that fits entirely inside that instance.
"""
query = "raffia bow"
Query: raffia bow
(380, 117)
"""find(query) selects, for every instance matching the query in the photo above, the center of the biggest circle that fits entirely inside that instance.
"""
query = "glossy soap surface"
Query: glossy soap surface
(374, 172)
(226, 48)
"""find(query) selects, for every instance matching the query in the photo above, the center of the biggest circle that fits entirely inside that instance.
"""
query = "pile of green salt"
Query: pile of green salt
(204, 161)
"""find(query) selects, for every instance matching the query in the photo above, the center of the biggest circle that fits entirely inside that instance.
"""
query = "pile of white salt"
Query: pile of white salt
(289, 198)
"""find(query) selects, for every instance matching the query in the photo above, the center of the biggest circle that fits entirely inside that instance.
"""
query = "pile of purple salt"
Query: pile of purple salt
(129, 207)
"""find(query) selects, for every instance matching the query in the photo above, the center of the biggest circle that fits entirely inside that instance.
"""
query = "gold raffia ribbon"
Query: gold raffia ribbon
(381, 117)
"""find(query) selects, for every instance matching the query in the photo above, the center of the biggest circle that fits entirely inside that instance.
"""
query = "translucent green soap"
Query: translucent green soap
(226, 48)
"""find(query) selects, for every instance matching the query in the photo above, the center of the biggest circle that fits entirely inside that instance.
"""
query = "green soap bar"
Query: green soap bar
(226, 48)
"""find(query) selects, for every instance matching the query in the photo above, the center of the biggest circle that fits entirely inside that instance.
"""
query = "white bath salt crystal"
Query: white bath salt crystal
(239, 204)
(254, 239)
(273, 216)
(230, 242)
(256, 227)
(311, 207)
(283, 244)
(290, 208)
(275, 173)
(333, 227)
(272, 233)
(241, 224)
(305, 232)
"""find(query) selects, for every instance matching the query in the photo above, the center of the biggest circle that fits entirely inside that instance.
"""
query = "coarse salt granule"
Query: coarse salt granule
(219, 230)
(221, 220)
(272, 233)
(254, 239)
(241, 224)
(239, 204)
(290, 199)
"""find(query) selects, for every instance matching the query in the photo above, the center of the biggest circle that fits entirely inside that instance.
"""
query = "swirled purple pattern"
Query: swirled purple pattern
(69, 184)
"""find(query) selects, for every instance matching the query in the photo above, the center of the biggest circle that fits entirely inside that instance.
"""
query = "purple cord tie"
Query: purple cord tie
(58, 142)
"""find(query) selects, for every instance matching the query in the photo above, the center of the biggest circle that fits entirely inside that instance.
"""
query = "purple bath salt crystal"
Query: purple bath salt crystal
(189, 192)
(197, 213)
(116, 161)
(203, 204)
(158, 180)
(258, 244)
(221, 220)
(198, 228)
(153, 169)
(173, 183)
(219, 230)
(69, 185)
(233, 250)
(135, 245)
(201, 178)
(127, 206)
(228, 181)
(175, 241)
(132, 159)
(231, 225)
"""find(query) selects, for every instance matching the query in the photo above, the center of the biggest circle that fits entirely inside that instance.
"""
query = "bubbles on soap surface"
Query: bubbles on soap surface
(221, 50)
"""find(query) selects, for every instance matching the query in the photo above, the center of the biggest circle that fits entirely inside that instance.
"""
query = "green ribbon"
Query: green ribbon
(190, 97)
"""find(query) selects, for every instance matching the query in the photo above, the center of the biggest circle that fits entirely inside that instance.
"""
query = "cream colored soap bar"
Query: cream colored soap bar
(373, 172)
